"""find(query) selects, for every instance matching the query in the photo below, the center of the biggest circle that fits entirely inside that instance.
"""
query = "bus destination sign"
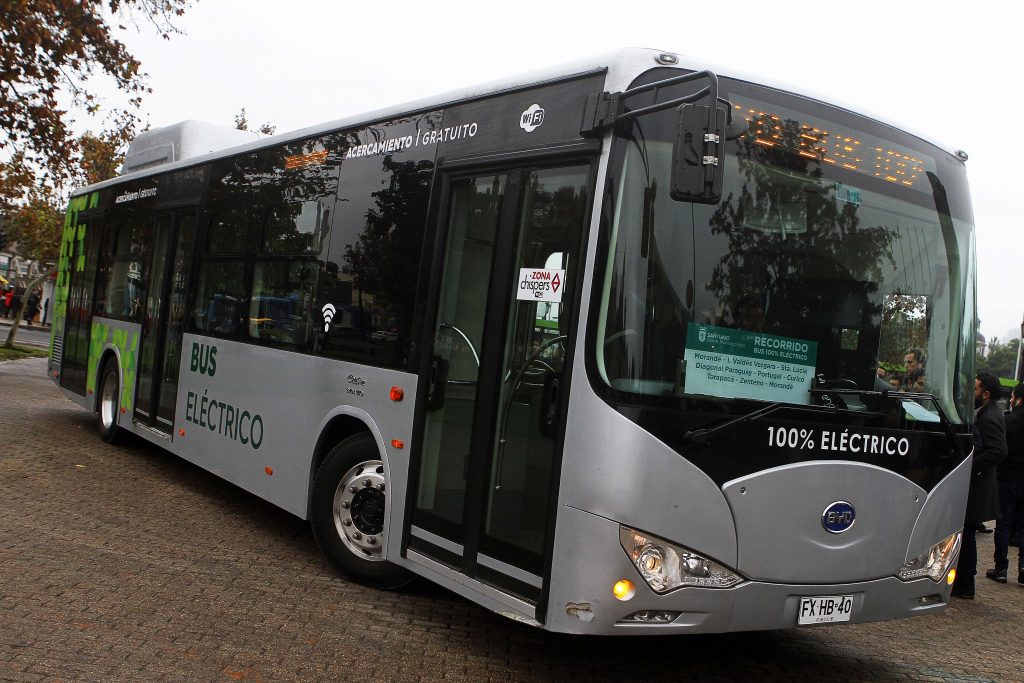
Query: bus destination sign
(734, 363)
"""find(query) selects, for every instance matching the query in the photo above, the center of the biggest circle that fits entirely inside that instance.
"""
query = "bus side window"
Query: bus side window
(282, 297)
(217, 309)
(124, 289)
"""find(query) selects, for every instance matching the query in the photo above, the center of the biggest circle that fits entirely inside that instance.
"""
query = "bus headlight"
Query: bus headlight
(666, 566)
(934, 562)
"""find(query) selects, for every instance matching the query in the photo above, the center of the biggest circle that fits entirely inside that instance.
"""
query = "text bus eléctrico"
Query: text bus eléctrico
(601, 350)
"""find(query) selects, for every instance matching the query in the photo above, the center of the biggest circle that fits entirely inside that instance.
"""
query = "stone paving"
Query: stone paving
(128, 564)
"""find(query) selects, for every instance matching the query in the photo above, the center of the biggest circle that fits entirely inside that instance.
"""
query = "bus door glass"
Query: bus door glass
(160, 348)
(494, 399)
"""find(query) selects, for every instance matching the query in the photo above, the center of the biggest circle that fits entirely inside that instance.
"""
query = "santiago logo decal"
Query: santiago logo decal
(702, 334)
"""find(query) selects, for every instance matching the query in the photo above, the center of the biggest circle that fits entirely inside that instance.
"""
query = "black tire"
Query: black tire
(347, 514)
(108, 403)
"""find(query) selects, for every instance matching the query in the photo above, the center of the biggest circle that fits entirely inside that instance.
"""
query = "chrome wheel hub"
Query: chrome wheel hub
(359, 510)
(108, 402)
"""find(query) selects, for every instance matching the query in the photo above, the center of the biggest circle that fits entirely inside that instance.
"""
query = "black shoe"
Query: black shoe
(963, 588)
(1020, 576)
(980, 526)
(997, 575)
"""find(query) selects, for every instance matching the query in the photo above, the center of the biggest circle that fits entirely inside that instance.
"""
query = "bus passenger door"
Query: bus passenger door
(493, 402)
(162, 325)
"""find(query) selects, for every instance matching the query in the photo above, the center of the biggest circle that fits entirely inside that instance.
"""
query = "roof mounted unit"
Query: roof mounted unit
(181, 141)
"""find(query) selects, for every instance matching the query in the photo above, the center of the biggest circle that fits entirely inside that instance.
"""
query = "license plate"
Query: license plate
(824, 609)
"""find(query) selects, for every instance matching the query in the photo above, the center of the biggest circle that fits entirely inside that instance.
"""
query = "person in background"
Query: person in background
(32, 308)
(1010, 477)
(914, 377)
(15, 305)
(982, 498)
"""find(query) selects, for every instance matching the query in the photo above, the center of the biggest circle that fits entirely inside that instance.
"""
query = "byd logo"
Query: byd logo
(838, 517)
(532, 118)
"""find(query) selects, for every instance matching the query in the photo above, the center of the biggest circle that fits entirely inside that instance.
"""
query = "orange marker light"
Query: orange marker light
(623, 590)
(397, 393)
(951, 577)
(397, 443)
(269, 470)
(181, 432)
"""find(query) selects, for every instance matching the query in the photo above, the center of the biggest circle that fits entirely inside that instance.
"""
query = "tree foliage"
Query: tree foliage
(242, 123)
(50, 52)
(1001, 359)
(36, 226)
(35, 220)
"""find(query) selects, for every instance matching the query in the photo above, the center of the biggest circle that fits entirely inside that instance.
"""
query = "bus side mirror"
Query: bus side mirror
(697, 158)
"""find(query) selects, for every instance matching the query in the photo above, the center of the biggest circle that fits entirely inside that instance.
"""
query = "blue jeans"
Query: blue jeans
(1011, 504)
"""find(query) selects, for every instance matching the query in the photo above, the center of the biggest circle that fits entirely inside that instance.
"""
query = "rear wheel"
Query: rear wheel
(349, 498)
(109, 403)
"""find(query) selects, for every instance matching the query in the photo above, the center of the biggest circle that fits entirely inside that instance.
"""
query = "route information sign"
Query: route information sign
(732, 363)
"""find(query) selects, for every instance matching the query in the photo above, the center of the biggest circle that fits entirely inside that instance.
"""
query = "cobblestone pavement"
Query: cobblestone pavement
(128, 564)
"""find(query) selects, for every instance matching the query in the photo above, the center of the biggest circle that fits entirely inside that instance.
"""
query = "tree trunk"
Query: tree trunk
(9, 344)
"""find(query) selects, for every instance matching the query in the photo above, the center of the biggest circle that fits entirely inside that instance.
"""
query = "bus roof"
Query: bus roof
(622, 67)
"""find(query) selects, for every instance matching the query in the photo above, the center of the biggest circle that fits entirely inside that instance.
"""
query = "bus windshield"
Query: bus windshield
(840, 256)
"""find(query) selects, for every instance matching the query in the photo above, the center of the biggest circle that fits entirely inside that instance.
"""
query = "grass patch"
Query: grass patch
(19, 352)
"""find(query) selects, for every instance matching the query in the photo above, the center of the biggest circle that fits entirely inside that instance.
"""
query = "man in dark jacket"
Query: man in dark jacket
(982, 498)
(1010, 475)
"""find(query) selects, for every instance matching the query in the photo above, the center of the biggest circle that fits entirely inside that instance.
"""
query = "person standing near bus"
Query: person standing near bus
(982, 498)
(1010, 475)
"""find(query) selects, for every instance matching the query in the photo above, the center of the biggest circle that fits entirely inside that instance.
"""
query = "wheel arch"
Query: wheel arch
(342, 423)
(109, 354)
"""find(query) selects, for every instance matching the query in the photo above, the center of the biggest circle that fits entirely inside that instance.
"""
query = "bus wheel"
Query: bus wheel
(347, 517)
(109, 403)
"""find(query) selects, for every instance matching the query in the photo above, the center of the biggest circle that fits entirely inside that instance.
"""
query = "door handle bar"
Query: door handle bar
(505, 405)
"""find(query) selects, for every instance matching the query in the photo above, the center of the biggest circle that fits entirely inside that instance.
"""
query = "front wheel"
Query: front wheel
(109, 403)
(349, 497)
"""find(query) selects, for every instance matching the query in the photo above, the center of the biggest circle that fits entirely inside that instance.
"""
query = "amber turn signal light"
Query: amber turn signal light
(624, 589)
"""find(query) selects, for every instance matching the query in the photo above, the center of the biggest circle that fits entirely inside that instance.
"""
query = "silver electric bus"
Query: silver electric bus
(614, 349)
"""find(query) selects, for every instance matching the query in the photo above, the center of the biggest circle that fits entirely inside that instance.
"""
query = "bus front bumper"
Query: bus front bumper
(582, 599)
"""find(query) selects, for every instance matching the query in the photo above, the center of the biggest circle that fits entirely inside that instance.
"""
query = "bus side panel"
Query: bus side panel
(253, 415)
(122, 339)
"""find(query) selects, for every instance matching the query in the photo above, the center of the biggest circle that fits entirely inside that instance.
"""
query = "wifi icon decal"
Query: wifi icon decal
(329, 310)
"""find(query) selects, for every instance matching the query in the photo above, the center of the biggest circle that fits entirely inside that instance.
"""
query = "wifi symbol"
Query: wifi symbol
(329, 310)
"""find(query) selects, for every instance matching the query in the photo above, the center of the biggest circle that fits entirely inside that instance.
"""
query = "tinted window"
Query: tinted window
(376, 245)
(125, 286)
(276, 202)
(282, 299)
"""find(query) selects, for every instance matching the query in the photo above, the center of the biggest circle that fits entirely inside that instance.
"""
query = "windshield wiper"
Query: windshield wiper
(904, 397)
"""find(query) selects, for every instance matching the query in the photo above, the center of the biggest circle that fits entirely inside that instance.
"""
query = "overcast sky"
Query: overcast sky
(952, 74)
